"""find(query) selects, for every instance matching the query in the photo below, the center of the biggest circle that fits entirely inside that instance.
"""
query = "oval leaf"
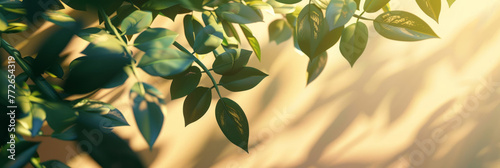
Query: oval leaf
(231, 61)
(165, 62)
(251, 40)
(353, 42)
(210, 37)
(196, 104)
(155, 38)
(136, 22)
(238, 13)
(185, 84)
(233, 122)
(431, 8)
(316, 66)
(191, 27)
(374, 5)
(279, 31)
(309, 23)
(339, 12)
(243, 80)
(402, 26)
(59, 18)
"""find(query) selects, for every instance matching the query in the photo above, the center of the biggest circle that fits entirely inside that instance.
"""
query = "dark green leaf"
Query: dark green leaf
(374, 5)
(54, 164)
(175, 10)
(289, 1)
(210, 37)
(3, 23)
(21, 154)
(316, 66)
(39, 117)
(309, 25)
(165, 62)
(155, 38)
(136, 22)
(159, 4)
(196, 104)
(431, 8)
(185, 84)
(191, 27)
(60, 116)
(16, 28)
(353, 42)
(251, 40)
(147, 111)
(238, 13)
(91, 34)
(322, 4)
(339, 12)
(196, 5)
(279, 31)
(245, 79)
(233, 122)
(402, 26)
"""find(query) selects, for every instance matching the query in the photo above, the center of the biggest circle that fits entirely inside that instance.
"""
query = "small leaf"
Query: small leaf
(136, 22)
(374, 5)
(91, 34)
(59, 18)
(147, 111)
(339, 12)
(251, 40)
(23, 152)
(60, 116)
(103, 43)
(191, 27)
(238, 13)
(196, 104)
(165, 62)
(155, 38)
(231, 61)
(243, 80)
(402, 26)
(316, 66)
(185, 84)
(279, 31)
(289, 1)
(450, 2)
(233, 122)
(431, 8)
(353, 42)
(210, 37)
(322, 4)
(56, 71)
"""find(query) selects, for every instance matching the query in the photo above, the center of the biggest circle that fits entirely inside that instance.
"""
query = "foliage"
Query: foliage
(109, 61)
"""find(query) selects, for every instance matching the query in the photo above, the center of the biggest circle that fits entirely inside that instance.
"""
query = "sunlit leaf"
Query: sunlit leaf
(402, 26)
(431, 8)
(233, 122)
(245, 79)
(54, 164)
(279, 31)
(196, 104)
(159, 4)
(316, 66)
(251, 40)
(49, 52)
(186, 83)
(136, 22)
(238, 13)
(339, 12)
(165, 62)
(155, 38)
(210, 37)
(16, 28)
(374, 5)
(322, 4)
(353, 42)
(281, 7)
(59, 18)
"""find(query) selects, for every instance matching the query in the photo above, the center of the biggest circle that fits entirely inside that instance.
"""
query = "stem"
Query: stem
(361, 16)
(40, 82)
(180, 47)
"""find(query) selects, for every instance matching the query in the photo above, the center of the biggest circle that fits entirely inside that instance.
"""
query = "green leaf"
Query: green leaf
(110, 116)
(155, 38)
(450, 2)
(309, 23)
(316, 66)
(358, 2)
(60, 116)
(289, 1)
(165, 62)
(159, 4)
(282, 8)
(121, 14)
(431, 8)
(105, 147)
(54, 164)
(279, 31)
(339, 12)
(210, 37)
(260, 5)
(322, 4)
(233, 122)
(191, 27)
(93, 72)
(196, 104)
(3, 23)
(136, 22)
(147, 111)
(185, 84)
(402, 26)
(328, 38)
(103, 43)
(16, 28)
(231, 61)
(374, 5)
(353, 42)
(59, 18)
(49, 52)
(251, 40)
(238, 13)
(22, 153)
(243, 80)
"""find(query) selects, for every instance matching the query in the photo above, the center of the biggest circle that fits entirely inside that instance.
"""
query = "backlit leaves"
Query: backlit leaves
(431, 8)
(309, 23)
(402, 26)
(233, 122)
(154, 38)
(353, 42)
(185, 83)
(279, 31)
(251, 40)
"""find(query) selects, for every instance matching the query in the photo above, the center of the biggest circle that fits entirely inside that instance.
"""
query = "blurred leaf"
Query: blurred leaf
(251, 40)
(92, 33)
(173, 11)
(23, 152)
(102, 44)
(59, 18)
(147, 111)
(231, 61)
(191, 27)
(196, 5)
(159, 4)
(238, 13)
(386, 8)
(50, 50)
(353, 42)
(339, 12)
(402, 26)
(196, 104)
(358, 2)
(155, 38)
(165, 62)
(374, 5)
(122, 13)
(279, 31)
(136, 22)
(450, 2)
(328, 38)
(322, 4)
(289, 1)
(260, 5)
(68, 134)
(243, 80)
(210, 37)
(431, 8)
(16, 28)
(233, 122)
(112, 116)
(185, 84)
(60, 116)
(281, 8)
(316, 66)
(54, 164)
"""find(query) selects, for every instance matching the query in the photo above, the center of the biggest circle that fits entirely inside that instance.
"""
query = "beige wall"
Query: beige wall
(433, 103)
